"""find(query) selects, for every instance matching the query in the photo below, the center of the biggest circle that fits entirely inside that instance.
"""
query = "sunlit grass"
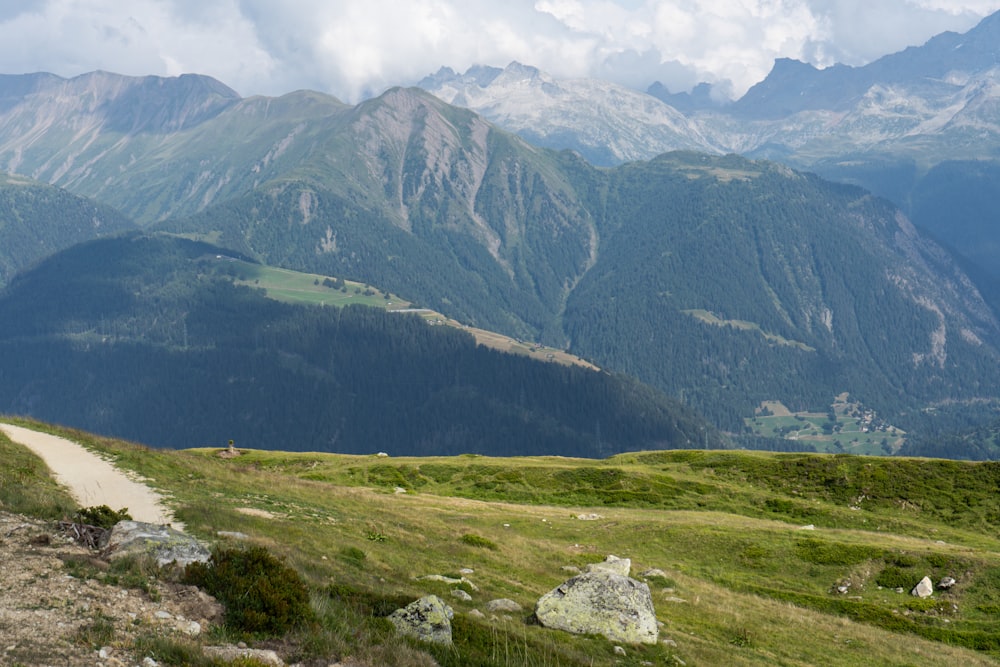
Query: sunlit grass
(743, 578)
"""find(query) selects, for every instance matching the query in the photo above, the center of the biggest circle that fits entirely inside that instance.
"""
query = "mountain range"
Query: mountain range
(719, 280)
(906, 126)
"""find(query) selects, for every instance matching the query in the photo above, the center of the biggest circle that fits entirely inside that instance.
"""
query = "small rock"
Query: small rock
(466, 570)
(233, 535)
(399, 490)
(475, 613)
(503, 605)
(619, 650)
(946, 583)
(653, 572)
(163, 615)
(149, 662)
(104, 653)
(899, 589)
(233, 653)
(190, 628)
(807, 527)
(612, 564)
(669, 642)
(589, 517)
(461, 595)
(924, 589)
(843, 589)
(381, 455)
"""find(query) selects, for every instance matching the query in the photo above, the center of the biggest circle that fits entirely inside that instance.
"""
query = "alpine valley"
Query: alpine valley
(142, 218)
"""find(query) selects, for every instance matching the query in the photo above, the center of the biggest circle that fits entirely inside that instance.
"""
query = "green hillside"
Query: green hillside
(164, 340)
(752, 550)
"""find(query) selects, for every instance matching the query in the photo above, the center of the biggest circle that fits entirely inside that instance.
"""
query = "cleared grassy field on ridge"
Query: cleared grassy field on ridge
(312, 289)
(751, 548)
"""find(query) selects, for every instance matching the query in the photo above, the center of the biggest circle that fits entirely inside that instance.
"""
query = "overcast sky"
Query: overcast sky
(356, 48)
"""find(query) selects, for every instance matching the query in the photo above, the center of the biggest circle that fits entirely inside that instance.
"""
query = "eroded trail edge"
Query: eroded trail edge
(92, 480)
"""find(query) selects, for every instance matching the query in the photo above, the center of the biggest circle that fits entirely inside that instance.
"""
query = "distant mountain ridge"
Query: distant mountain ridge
(717, 279)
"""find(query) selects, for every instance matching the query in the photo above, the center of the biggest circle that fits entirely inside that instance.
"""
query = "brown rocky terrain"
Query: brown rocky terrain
(54, 610)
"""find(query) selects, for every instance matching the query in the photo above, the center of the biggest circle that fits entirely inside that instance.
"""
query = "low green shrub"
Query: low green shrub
(353, 555)
(892, 576)
(262, 596)
(477, 541)
(820, 552)
(102, 516)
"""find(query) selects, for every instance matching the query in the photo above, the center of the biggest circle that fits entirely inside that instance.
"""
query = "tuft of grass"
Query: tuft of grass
(480, 542)
(98, 632)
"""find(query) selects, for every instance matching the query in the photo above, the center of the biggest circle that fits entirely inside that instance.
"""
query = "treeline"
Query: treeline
(135, 337)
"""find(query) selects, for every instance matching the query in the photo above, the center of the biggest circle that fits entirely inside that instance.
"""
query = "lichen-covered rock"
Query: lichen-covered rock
(427, 619)
(163, 543)
(601, 602)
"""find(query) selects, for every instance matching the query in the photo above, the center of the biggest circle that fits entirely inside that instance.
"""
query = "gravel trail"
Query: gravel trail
(90, 479)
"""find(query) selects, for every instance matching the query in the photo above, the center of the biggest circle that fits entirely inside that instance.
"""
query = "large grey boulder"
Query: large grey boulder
(427, 619)
(163, 543)
(602, 601)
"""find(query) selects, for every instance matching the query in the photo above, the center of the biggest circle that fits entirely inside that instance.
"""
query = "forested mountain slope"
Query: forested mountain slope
(148, 338)
(729, 282)
(37, 220)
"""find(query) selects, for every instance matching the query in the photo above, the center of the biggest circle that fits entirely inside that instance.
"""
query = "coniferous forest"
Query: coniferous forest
(148, 341)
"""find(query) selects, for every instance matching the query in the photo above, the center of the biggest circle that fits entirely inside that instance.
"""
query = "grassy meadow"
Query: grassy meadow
(750, 548)
(316, 290)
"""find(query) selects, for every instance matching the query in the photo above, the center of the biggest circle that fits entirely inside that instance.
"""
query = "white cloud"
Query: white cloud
(355, 48)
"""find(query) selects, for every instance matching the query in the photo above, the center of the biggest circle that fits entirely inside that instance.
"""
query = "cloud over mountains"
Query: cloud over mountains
(356, 48)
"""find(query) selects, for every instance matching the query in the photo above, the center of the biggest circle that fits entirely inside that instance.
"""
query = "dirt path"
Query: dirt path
(90, 479)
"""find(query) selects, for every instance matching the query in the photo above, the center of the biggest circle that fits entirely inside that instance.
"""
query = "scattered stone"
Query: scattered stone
(232, 653)
(619, 650)
(946, 583)
(612, 564)
(461, 595)
(899, 589)
(475, 613)
(399, 490)
(843, 590)
(448, 580)
(190, 628)
(589, 517)
(381, 455)
(163, 543)
(163, 615)
(924, 589)
(503, 605)
(602, 601)
(669, 642)
(808, 527)
(427, 619)
(466, 570)
(653, 572)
